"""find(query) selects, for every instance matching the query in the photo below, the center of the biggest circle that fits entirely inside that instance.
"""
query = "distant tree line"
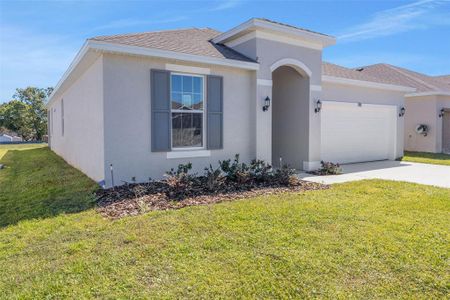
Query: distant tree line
(25, 114)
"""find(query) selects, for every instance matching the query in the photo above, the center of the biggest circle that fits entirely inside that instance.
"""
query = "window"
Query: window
(52, 112)
(187, 110)
(62, 117)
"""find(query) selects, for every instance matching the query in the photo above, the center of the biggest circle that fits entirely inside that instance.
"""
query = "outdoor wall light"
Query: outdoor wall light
(266, 104)
(441, 113)
(402, 112)
(318, 106)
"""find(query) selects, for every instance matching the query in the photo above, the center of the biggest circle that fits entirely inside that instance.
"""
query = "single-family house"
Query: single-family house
(143, 103)
(7, 138)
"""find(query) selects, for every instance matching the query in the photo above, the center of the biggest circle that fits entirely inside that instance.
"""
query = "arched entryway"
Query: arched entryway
(290, 113)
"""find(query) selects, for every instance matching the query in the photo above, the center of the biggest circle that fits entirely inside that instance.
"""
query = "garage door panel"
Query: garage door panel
(352, 133)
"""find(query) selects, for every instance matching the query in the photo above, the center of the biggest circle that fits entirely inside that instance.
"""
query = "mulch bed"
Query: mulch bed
(136, 199)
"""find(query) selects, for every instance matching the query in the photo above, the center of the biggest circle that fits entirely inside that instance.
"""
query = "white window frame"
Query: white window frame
(189, 111)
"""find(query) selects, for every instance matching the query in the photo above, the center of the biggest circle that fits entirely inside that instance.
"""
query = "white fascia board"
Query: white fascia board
(368, 84)
(149, 52)
(428, 94)
(254, 24)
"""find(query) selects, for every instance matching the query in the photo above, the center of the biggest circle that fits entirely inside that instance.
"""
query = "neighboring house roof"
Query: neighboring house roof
(195, 41)
(444, 78)
(423, 83)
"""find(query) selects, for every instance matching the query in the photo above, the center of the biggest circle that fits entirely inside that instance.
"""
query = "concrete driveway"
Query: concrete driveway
(436, 175)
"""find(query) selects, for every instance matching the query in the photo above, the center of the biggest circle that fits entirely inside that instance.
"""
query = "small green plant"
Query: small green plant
(182, 170)
(329, 168)
(180, 180)
(260, 170)
(285, 175)
(234, 170)
(214, 178)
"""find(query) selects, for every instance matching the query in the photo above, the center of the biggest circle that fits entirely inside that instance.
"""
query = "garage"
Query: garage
(355, 132)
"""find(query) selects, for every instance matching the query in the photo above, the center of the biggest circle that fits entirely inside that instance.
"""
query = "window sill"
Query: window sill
(188, 153)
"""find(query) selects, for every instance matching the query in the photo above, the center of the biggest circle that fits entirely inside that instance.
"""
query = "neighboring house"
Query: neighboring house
(5, 138)
(429, 105)
(146, 102)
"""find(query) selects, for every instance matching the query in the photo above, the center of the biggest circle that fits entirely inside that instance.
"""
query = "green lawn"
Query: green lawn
(36, 183)
(367, 239)
(427, 158)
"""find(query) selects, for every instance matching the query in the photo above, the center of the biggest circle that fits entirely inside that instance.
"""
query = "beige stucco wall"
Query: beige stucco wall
(424, 110)
(128, 119)
(269, 52)
(290, 117)
(355, 94)
(82, 143)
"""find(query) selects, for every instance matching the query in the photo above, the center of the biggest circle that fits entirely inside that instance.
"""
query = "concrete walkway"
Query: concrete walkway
(436, 175)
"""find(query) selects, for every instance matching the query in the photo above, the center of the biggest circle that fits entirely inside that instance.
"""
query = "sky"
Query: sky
(39, 39)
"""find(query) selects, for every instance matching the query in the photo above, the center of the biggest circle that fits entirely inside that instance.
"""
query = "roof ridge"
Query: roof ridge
(368, 76)
(397, 69)
(145, 32)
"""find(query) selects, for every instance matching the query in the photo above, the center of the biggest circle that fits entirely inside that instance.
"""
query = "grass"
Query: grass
(427, 158)
(36, 183)
(366, 239)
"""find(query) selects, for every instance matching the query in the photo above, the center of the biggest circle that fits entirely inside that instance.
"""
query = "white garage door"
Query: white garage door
(357, 133)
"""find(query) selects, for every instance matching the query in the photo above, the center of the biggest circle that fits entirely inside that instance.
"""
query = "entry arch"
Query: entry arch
(293, 63)
(290, 112)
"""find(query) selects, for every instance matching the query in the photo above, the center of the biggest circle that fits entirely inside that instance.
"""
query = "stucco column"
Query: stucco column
(263, 121)
(313, 162)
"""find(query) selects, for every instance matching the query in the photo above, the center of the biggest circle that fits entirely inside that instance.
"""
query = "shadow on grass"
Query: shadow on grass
(37, 183)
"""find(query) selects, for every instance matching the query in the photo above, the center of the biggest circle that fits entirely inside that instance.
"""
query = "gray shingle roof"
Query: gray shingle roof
(330, 69)
(444, 78)
(401, 76)
(194, 41)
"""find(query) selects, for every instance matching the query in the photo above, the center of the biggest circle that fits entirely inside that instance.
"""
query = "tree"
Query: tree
(15, 117)
(35, 98)
(26, 113)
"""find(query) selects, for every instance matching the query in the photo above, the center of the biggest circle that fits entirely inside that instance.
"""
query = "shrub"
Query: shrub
(214, 178)
(261, 171)
(180, 181)
(235, 171)
(329, 168)
(285, 176)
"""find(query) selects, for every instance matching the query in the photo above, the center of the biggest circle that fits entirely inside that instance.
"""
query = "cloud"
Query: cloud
(132, 22)
(417, 15)
(225, 5)
(28, 58)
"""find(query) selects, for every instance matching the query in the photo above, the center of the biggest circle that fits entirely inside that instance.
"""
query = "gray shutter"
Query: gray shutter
(160, 105)
(214, 107)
